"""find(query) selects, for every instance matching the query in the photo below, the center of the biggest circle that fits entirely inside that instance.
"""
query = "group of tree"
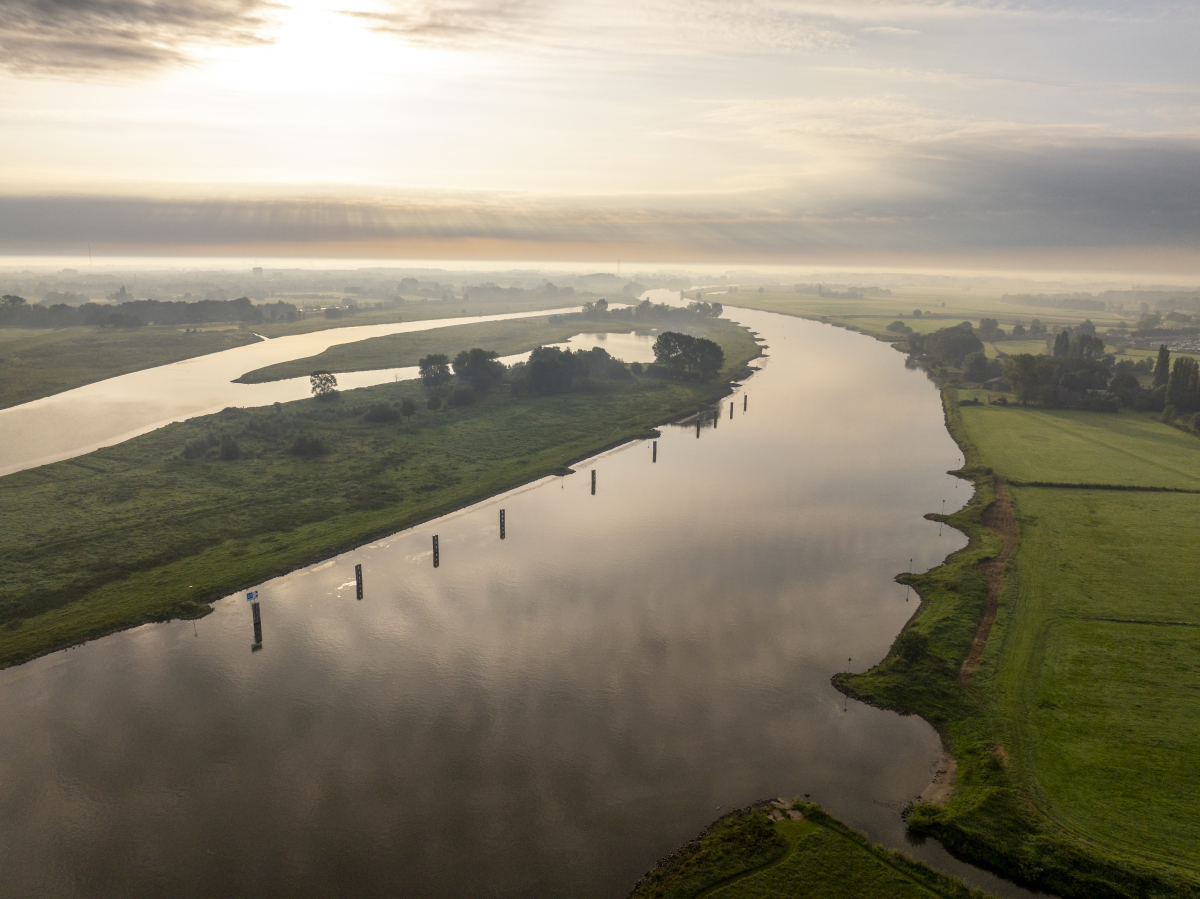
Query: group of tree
(553, 370)
(16, 312)
(948, 346)
(645, 312)
(685, 356)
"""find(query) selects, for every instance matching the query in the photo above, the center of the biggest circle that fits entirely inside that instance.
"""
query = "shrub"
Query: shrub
(382, 413)
(1168, 413)
(636, 368)
(435, 403)
(912, 646)
(462, 396)
(194, 449)
(307, 445)
(408, 408)
(229, 449)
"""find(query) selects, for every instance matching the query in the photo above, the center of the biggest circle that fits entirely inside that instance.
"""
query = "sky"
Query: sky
(972, 133)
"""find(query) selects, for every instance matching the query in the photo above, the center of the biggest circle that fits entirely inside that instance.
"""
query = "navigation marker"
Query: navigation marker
(358, 579)
(436, 556)
(501, 524)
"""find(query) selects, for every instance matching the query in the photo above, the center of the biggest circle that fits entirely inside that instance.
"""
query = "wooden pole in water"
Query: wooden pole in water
(593, 482)
(358, 579)
(654, 457)
(501, 524)
(697, 427)
(745, 400)
(436, 555)
(257, 644)
(731, 410)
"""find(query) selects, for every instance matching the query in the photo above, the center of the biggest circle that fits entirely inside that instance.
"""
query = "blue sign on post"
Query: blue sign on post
(251, 596)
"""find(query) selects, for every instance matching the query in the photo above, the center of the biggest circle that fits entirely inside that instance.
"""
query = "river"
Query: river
(541, 715)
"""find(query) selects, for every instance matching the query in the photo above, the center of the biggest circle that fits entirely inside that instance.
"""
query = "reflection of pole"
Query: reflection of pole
(593, 482)
(358, 580)
(501, 524)
(654, 457)
(257, 644)
(436, 559)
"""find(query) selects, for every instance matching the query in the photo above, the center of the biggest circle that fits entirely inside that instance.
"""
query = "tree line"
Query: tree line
(16, 312)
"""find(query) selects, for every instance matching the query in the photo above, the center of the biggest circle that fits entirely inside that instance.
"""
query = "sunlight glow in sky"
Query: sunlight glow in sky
(924, 131)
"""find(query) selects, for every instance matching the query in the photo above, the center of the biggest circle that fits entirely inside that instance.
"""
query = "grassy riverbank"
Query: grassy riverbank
(153, 528)
(400, 350)
(36, 363)
(1065, 681)
(777, 851)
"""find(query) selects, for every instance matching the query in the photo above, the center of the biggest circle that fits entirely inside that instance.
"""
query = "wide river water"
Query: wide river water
(543, 715)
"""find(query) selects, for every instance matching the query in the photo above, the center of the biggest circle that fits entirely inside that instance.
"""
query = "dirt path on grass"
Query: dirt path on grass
(998, 518)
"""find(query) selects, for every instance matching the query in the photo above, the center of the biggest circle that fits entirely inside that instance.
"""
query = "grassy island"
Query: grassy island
(403, 350)
(797, 850)
(156, 527)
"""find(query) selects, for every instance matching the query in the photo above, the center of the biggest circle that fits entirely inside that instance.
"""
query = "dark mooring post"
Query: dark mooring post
(716, 418)
(697, 427)
(654, 456)
(731, 411)
(436, 558)
(593, 482)
(257, 644)
(501, 524)
(358, 580)
(745, 400)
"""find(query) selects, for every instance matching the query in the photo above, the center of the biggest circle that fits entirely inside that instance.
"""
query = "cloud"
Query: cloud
(78, 37)
(966, 199)
(460, 23)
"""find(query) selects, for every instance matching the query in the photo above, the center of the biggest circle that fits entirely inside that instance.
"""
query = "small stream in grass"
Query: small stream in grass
(543, 714)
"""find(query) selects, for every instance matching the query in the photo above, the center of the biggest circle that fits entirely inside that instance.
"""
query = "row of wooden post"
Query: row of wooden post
(358, 575)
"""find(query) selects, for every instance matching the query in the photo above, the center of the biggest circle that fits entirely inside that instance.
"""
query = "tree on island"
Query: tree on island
(435, 369)
(479, 368)
(324, 385)
(687, 356)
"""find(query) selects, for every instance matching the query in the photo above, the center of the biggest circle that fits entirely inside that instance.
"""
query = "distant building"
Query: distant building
(258, 271)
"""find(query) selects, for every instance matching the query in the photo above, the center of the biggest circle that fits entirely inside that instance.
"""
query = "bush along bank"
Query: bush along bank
(991, 819)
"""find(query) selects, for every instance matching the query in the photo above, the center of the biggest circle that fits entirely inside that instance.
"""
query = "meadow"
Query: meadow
(1095, 663)
(1033, 445)
(400, 350)
(37, 363)
(156, 527)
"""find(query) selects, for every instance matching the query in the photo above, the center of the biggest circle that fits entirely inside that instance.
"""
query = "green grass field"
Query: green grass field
(1061, 446)
(37, 363)
(1096, 664)
(400, 350)
(137, 532)
(748, 856)
(872, 315)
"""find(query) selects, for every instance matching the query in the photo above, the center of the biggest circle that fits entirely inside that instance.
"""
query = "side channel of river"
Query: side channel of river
(542, 715)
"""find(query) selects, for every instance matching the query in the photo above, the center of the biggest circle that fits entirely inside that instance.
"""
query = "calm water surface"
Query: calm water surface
(544, 715)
